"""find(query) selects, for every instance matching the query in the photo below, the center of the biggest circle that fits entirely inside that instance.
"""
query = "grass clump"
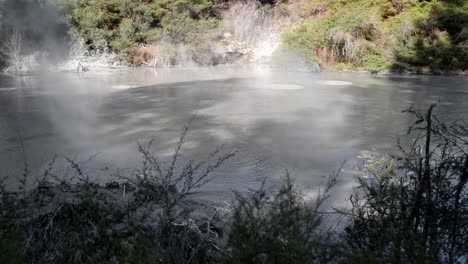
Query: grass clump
(333, 39)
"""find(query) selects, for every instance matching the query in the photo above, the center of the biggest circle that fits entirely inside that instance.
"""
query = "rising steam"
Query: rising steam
(258, 28)
(34, 34)
(31, 33)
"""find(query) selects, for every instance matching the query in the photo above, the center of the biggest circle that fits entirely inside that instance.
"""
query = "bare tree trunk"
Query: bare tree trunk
(428, 210)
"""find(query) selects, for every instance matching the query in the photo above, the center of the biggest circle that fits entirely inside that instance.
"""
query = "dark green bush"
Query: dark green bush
(412, 208)
(281, 228)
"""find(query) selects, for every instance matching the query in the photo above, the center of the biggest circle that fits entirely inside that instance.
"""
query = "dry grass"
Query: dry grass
(344, 46)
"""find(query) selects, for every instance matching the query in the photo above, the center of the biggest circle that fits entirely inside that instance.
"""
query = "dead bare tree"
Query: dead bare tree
(11, 50)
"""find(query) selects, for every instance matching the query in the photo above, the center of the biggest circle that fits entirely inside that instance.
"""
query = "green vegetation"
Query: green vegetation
(283, 228)
(122, 26)
(407, 208)
(418, 36)
(372, 35)
(411, 208)
(421, 36)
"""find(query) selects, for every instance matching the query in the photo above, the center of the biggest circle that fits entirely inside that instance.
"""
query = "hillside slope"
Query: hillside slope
(372, 35)
(383, 35)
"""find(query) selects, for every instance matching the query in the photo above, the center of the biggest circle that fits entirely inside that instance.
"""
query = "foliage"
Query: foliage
(374, 63)
(345, 37)
(384, 35)
(411, 208)
(438, 40)
(279, 229)
(405, 208)
(119, 25)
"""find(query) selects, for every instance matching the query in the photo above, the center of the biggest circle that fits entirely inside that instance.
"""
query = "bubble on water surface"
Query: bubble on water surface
(280, 86)
(286, 87)
(122, 87)
(335, 83)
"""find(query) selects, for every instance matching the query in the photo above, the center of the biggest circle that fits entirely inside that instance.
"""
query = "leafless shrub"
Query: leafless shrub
(172, 185)
(12, 49)
(75, 220)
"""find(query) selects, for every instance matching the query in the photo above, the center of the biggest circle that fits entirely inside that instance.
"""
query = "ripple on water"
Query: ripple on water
(245, 171)
(7, 89)
(407, 91)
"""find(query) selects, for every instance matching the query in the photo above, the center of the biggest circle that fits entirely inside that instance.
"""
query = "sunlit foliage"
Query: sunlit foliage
(384, 35)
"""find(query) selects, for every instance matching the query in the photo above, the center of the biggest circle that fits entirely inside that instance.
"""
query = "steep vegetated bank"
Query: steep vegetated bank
(165, 33)
(383, 35)
(133, 29)
(156, 33)
(411, 207)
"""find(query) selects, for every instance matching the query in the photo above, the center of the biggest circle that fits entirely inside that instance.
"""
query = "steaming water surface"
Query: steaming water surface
(306, 122)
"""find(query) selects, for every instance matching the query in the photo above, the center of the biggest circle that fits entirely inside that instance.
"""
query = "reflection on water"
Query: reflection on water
(306, 122)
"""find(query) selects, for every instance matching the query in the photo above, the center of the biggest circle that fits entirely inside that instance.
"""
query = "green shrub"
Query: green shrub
(436, 41)
(411, 208)
(283, 228)
(375, 63)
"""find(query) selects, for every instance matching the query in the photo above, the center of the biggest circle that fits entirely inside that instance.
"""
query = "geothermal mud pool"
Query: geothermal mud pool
(306, 122)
